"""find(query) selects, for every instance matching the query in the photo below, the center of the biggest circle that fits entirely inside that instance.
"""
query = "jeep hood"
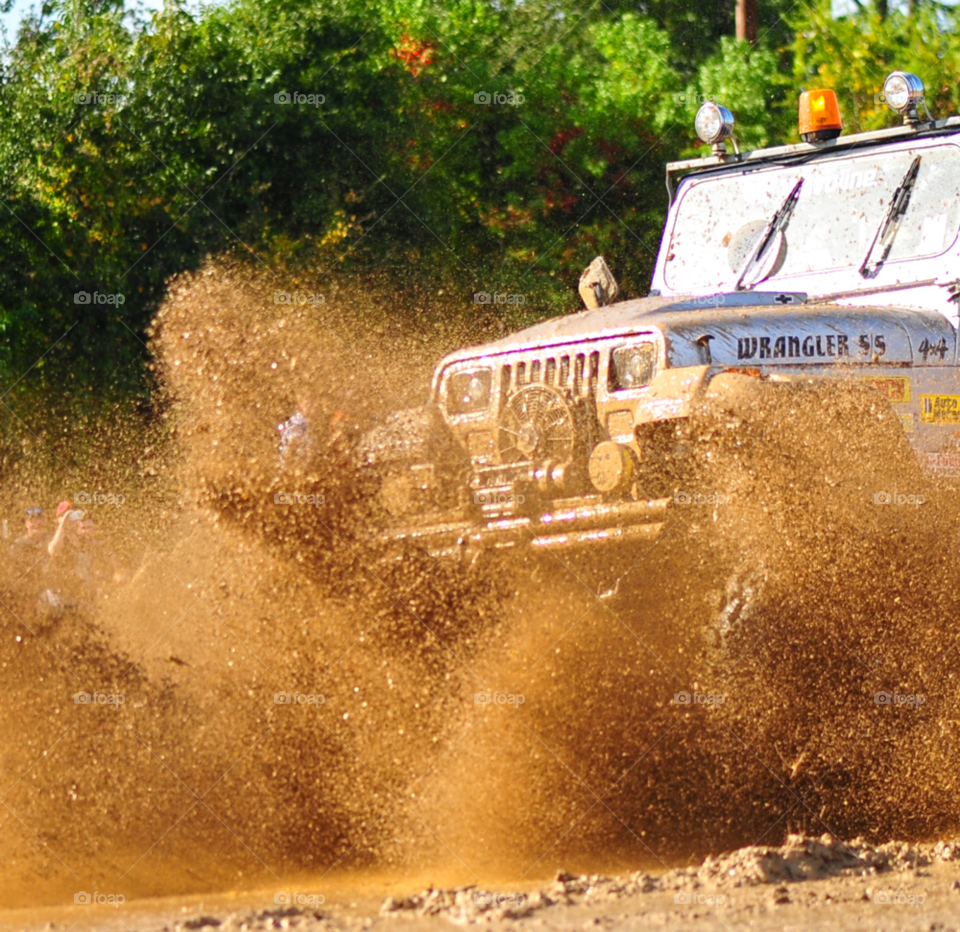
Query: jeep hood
(741, 329)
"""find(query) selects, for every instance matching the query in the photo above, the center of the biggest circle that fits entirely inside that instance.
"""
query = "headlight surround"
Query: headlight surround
(714, 123)
(469, 391)
(903, 91)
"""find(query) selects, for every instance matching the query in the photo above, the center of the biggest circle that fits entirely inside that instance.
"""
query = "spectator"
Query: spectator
(67, 590)
(296, 438)
(36, 540)
(82, 562)
(29, 564)
(63, 517)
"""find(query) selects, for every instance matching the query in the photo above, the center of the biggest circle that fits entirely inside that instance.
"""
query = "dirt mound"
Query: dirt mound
(800, 859)
(803, 858)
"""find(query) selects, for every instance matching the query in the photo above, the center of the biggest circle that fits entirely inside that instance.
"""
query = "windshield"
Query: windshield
(843, 201)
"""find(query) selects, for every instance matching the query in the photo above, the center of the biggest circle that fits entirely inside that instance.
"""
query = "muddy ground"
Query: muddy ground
(806, 884)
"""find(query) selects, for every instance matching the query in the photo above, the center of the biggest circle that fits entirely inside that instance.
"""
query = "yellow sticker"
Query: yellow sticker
(940, 409)
(895, 388)
(907, 421)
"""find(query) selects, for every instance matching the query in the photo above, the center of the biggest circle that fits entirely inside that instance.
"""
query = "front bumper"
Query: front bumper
(570, 524)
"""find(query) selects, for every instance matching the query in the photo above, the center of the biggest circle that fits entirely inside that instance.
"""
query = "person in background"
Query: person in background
(36, 539)
(67, 589)
(56, 595)
(29, 565)
(296, 439)
(65, 518)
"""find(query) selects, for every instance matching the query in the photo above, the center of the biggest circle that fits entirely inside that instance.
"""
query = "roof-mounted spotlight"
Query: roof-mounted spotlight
(904, 93)
(714, 126)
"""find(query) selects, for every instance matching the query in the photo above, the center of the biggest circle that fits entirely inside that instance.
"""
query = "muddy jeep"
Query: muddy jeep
(833, 260)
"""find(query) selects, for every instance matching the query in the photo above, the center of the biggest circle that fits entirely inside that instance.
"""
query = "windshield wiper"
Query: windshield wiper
(778, 223)
(891, 221)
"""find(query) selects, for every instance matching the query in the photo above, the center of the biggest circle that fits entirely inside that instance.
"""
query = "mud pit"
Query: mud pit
(390, 774)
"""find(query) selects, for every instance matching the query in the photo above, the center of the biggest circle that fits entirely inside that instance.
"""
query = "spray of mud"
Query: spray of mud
(298, 701)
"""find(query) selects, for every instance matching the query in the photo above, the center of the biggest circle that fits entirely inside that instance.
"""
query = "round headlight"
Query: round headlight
(903, 91)
(714, 123)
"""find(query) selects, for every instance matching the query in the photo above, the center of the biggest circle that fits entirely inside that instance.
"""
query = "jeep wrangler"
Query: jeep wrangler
(833, 259)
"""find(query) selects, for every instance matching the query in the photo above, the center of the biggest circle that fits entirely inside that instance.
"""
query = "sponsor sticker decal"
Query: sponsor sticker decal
(895, 388)
(940, 409)
(948, 463)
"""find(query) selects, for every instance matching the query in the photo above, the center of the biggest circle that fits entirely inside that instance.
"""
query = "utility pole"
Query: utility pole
(747, 20)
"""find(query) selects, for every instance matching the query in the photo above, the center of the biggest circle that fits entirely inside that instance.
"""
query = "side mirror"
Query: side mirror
(598, 287)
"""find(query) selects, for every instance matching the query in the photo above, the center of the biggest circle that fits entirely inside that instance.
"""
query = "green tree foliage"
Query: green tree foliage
(747, 80)
(854, 54)
(491, 144)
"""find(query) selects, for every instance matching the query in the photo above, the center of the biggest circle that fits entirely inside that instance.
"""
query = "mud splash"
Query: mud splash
(634, 731)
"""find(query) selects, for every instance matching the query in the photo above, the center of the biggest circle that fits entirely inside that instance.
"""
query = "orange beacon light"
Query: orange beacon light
(819, 116)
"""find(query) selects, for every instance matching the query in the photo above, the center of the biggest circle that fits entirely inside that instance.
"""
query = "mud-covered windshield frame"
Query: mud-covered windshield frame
(848, 196)
(798, 153)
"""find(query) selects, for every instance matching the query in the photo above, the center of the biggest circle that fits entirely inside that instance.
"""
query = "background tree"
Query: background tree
(478, 145)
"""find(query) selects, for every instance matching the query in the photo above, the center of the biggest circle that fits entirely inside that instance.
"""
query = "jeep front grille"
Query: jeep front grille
(575, 373)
